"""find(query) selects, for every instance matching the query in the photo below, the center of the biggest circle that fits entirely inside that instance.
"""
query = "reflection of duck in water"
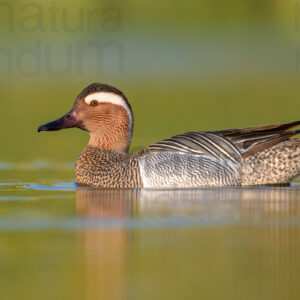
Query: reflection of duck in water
(105, 203)
(106, 254)
(216, 203)
(233, 157)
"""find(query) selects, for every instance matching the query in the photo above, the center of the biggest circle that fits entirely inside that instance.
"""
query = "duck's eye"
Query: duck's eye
(94, 103)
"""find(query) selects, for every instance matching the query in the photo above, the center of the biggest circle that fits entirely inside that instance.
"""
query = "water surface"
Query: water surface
(58, 241)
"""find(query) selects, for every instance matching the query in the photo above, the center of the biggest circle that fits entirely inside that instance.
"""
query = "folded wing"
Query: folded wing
(227, 145)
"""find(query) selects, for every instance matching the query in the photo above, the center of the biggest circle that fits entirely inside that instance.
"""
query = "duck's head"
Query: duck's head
(104, 112)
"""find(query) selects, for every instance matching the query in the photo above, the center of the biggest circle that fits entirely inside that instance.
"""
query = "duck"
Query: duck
(260, 155)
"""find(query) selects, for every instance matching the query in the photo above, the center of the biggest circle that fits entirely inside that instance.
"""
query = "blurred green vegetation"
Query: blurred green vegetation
(160, 111)
(183, 65)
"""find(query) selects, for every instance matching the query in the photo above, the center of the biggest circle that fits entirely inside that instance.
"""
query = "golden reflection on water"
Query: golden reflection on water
(235, 203)
(105, 251)
(253, 255)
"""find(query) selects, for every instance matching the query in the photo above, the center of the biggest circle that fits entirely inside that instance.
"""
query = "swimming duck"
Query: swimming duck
(259, 155)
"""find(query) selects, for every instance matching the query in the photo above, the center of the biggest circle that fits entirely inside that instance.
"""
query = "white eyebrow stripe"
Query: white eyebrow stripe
(106, 97)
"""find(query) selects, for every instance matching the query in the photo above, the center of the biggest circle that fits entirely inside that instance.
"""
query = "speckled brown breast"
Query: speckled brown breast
(108, 169)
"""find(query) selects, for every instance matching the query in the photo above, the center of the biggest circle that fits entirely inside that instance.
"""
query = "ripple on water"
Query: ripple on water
(68, 186)
(37, 165)
(5, 166)
(17, 198)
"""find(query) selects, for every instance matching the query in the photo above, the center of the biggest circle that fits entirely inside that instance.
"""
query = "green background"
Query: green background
(184, 65)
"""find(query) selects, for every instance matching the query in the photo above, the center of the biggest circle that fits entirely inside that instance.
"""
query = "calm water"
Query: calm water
(62, 242)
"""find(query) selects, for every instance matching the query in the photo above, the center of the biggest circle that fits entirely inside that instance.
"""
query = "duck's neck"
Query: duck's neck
(116, 139)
